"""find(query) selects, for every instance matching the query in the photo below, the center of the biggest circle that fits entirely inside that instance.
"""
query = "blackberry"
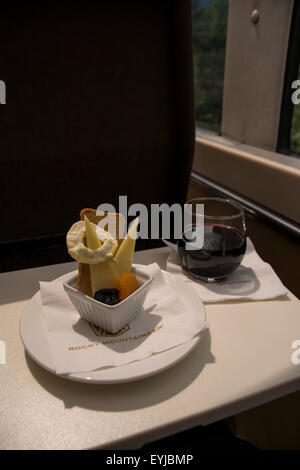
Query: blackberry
(107, 296)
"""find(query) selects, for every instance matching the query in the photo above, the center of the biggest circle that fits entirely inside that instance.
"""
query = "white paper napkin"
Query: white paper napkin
(253, 279)
(166, 321)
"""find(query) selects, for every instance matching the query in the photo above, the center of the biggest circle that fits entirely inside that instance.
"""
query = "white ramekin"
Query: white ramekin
(110, 317)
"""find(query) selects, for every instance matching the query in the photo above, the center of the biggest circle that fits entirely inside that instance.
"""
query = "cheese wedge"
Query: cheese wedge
(92, 241)
(103, 275)
(125, 252)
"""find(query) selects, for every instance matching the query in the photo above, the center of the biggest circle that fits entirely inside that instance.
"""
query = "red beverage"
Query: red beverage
(222, 252)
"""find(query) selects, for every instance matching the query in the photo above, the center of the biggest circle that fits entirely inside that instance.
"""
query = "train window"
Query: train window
(209, 41)
(246, 59)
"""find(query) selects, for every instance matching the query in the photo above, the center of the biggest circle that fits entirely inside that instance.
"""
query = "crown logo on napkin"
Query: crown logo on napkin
(100, 332)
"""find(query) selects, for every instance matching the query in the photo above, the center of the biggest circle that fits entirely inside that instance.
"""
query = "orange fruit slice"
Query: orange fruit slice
(127, 285)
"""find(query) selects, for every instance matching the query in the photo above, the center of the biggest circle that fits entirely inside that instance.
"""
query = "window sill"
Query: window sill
(271, 179)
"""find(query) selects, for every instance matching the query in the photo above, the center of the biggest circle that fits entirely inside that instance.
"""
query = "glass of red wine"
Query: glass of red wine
(223, 243)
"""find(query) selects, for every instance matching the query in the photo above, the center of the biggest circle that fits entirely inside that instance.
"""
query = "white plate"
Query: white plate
(35, 341)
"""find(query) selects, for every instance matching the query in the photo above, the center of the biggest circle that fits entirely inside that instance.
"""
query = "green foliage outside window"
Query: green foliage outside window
(209, 42)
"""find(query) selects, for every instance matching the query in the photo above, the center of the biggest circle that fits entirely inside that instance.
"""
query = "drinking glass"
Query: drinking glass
(224, 238)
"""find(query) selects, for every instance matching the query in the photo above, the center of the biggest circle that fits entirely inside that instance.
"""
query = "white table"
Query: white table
(243, 361)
